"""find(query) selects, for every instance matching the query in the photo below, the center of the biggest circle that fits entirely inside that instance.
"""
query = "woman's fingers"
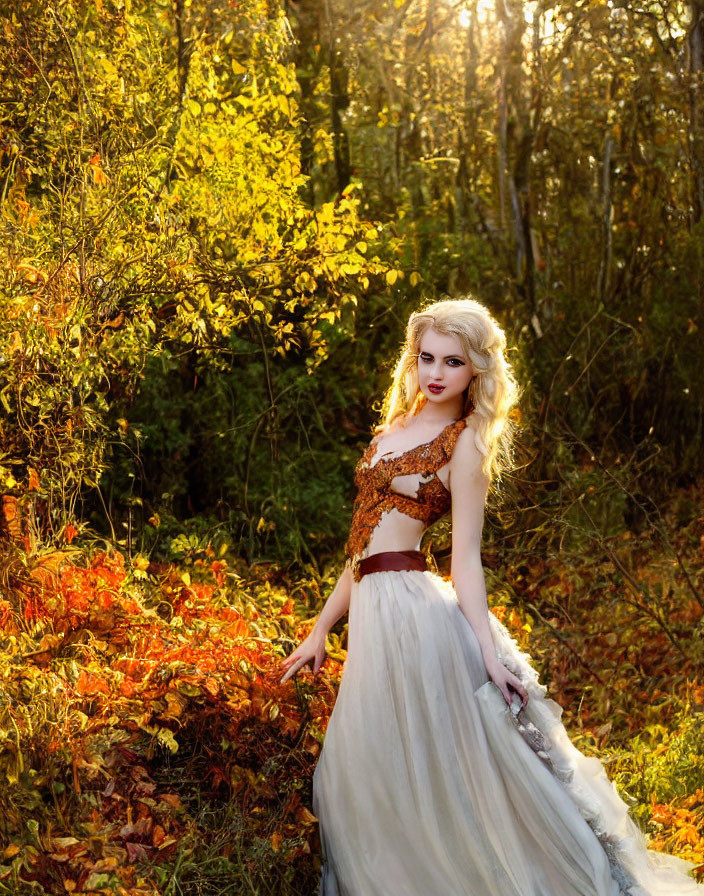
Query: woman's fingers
(292, 671)
(299, 662)
(518, 686)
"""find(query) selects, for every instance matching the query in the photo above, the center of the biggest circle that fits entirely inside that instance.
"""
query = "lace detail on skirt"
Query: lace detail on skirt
(621, 851)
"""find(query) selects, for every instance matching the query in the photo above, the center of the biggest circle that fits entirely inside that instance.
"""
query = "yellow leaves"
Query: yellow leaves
(175, 705)
(305, 817)
(108, 67)
(282, 102)
(237, 67)
(393, 275)
(326, 215)
(140, 564)
(415, 278)
(30, 274)
(59, 844)
(305, 283)
(193, 107)
(16, 343)
(275, 840)
(166, 737)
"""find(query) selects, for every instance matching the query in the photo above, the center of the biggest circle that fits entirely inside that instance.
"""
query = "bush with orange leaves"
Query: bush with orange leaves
(115, 690)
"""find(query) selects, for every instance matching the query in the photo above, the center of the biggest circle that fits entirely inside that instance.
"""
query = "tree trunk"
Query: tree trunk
(605, 266)
(519, 134)
(695, 40)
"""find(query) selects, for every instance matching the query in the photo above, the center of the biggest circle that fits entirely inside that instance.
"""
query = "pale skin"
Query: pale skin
(441, 362)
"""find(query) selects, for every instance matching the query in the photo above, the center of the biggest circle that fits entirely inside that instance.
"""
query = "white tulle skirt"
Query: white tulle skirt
(428, 785)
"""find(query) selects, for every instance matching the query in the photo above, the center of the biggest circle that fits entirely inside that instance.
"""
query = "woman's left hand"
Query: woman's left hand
(505, 681)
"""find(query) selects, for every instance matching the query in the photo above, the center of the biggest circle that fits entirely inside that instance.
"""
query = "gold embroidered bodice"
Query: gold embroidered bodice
(375, 495)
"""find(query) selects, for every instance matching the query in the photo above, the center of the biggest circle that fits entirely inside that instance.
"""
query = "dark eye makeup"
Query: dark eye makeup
(426, 356)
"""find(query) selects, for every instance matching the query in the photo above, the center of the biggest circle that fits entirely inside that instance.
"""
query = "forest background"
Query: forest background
(215, 219)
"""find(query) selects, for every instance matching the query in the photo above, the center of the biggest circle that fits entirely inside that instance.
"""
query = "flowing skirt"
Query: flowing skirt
(429, 785)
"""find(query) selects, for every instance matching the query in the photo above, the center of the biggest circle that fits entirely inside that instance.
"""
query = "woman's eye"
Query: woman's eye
(453, 362)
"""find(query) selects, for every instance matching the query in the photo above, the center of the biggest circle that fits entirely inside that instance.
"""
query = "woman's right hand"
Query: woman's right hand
(311, 650)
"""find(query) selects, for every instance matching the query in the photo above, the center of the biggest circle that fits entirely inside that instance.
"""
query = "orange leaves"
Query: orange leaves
(89, 684)
(70, 532)
(127, 688)
(218, 568)
(129, 674)
(97, 173)
(684, 823)
(5, 613)
(212, 686)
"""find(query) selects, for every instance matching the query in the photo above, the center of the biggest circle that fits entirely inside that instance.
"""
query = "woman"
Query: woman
(445, 770)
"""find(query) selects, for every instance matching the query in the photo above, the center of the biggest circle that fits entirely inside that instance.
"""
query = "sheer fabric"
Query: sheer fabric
(428, 785)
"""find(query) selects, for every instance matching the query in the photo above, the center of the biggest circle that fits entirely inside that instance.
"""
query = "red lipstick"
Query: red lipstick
(435, 388)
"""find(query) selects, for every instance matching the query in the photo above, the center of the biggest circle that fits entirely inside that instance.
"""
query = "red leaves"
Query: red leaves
(70, 532)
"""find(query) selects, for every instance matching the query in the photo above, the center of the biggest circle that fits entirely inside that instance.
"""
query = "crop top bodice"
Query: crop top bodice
(375, 495)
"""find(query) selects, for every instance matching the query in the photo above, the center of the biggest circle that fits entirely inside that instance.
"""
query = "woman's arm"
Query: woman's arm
(469, 487)
(337, 604)
(312, 649)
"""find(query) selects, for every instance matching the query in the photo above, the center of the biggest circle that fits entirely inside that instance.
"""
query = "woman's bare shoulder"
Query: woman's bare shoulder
(466, 452)
(385, 428)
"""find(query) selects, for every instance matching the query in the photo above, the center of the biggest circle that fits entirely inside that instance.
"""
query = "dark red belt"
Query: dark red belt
(391, 561)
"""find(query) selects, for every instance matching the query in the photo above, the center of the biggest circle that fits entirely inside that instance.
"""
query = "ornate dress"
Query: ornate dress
(428, 784)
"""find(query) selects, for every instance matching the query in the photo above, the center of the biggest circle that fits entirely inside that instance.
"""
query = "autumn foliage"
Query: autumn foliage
(215, 218)
(133, 697)
(111, 684)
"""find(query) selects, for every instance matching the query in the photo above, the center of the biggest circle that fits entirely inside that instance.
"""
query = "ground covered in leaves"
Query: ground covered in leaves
(147, 748)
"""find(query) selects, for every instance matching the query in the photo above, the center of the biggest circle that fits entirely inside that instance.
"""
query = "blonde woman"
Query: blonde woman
(446, 771)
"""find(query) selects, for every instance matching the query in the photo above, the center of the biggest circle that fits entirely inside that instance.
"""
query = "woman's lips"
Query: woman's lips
(436, 390)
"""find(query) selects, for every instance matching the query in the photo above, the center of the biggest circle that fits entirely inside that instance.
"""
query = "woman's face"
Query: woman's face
(444, 371)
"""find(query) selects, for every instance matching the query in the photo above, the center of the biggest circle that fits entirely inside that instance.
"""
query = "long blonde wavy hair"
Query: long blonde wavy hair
(492, 392)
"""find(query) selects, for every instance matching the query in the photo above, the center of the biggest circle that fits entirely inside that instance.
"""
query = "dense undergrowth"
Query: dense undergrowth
(146, 746)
